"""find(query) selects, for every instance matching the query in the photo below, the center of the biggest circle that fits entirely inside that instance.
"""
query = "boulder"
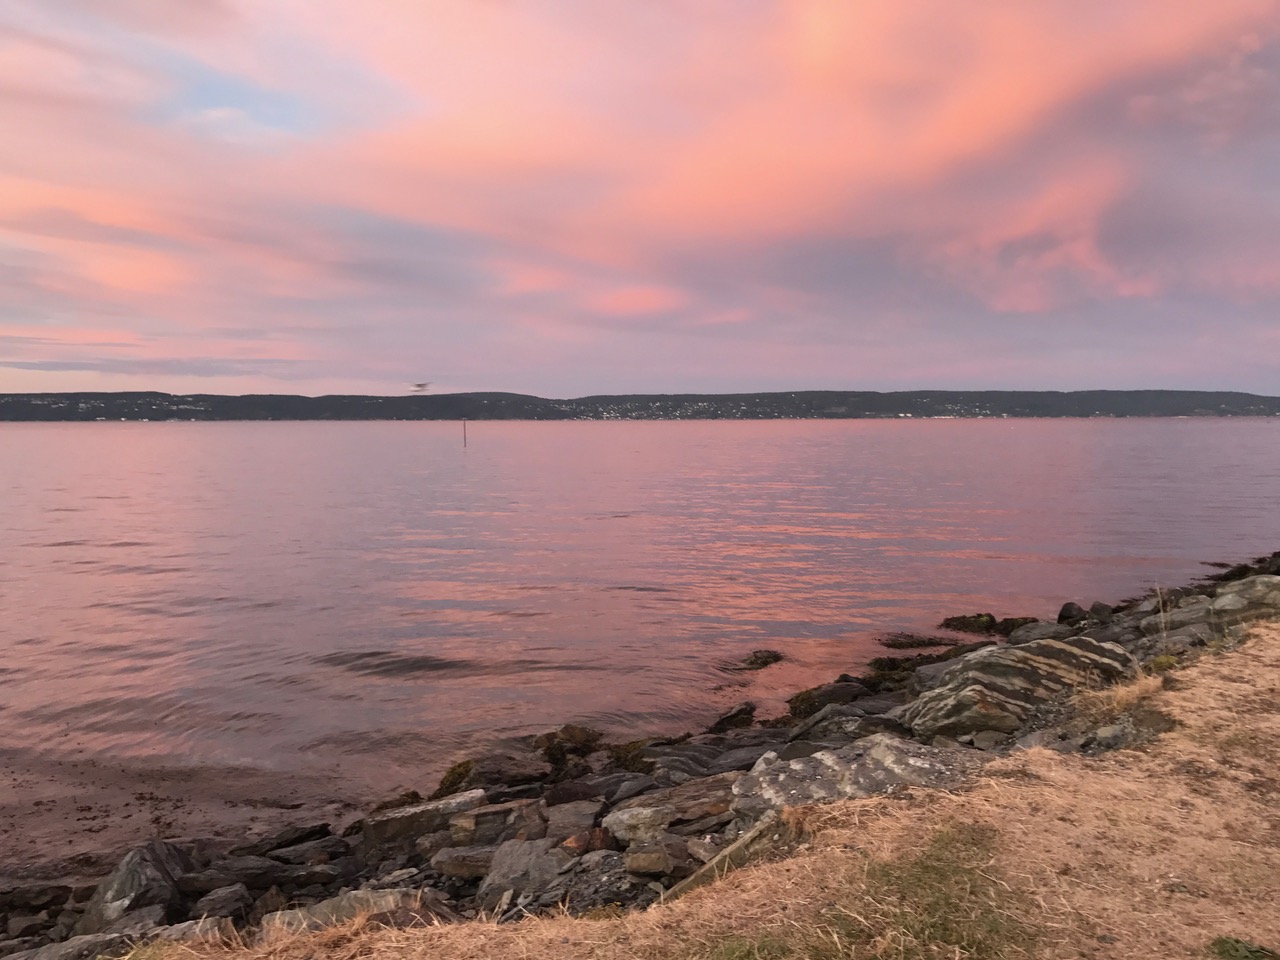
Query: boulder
(667, 856)
(640, 824)
(1200, 610)
(466, 863)
(495, 823)
(1072, 612)
(348, 906)
(997, 688)
(696, 807)
(35, 897)
(874, 765)
(529, 871)
(567, 819)
(147, 876)
(402, 825)
(229, 901)
(568, 791)
(1102, 612)
(742, 758)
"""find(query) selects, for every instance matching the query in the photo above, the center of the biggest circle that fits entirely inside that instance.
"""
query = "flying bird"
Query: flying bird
(419, 387)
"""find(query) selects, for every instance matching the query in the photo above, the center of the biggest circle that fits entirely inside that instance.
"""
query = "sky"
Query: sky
(567, 197)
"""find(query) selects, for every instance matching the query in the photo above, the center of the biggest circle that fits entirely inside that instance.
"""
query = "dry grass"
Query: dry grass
(1108, 704)
(1171, 851)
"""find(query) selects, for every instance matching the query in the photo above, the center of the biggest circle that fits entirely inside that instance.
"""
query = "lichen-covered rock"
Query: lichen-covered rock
(874, 765)
(147, 876)
(997, 688)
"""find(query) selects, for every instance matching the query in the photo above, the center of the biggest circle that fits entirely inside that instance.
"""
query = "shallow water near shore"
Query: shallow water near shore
(208, 626)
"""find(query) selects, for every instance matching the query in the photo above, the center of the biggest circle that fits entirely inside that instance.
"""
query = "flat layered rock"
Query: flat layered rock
(348, 906)
(403, 825)
(998, 688)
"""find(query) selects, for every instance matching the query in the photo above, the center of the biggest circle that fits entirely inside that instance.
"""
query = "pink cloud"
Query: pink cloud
(480, 174)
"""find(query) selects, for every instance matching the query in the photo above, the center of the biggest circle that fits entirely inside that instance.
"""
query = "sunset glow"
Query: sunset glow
(308, 196)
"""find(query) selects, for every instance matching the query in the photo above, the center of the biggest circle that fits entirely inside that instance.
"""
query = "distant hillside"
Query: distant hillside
(811, 404)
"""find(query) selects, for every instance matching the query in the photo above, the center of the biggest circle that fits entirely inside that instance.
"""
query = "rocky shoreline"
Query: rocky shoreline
(572, 822)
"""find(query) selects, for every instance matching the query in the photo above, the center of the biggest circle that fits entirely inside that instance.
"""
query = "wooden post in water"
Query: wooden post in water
(464, 433)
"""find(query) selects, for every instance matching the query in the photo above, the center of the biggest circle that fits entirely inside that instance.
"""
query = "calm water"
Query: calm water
(366, 601)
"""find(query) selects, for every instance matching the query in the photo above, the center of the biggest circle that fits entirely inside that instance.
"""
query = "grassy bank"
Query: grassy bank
(1171, 850)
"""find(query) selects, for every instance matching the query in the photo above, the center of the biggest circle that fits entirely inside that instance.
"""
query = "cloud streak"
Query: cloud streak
(530, 196)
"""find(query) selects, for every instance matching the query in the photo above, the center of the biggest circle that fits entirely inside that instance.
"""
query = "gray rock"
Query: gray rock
(256, 873)
(929, 675)
(136, 923)
(1199, 611)
(874, 765)
(147, 876)
(467, 863)
(428, 846)
(882, 703)
(567, 819)
(289, 837)
(321, 850)
(989, 739)
(832, 710)
(1102, 612)
(25, 925)
(503, 771)
(403, 825)
(667, 856)
(742, 758)
(347, 907)
(22, 945)
(84, 947)
(699, 806)
(997, 688)
(1072, 613)
(495, 823)
(233, 900)
(524, 869)
(1041, 631)
(634, 785)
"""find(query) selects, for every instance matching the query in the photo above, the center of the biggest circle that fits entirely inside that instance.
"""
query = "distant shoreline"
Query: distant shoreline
(798, 405)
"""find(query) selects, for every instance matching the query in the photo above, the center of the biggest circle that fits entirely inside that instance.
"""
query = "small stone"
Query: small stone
(1072, 612)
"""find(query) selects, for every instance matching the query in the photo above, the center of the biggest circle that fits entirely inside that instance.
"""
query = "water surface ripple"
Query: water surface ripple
(356, 604)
